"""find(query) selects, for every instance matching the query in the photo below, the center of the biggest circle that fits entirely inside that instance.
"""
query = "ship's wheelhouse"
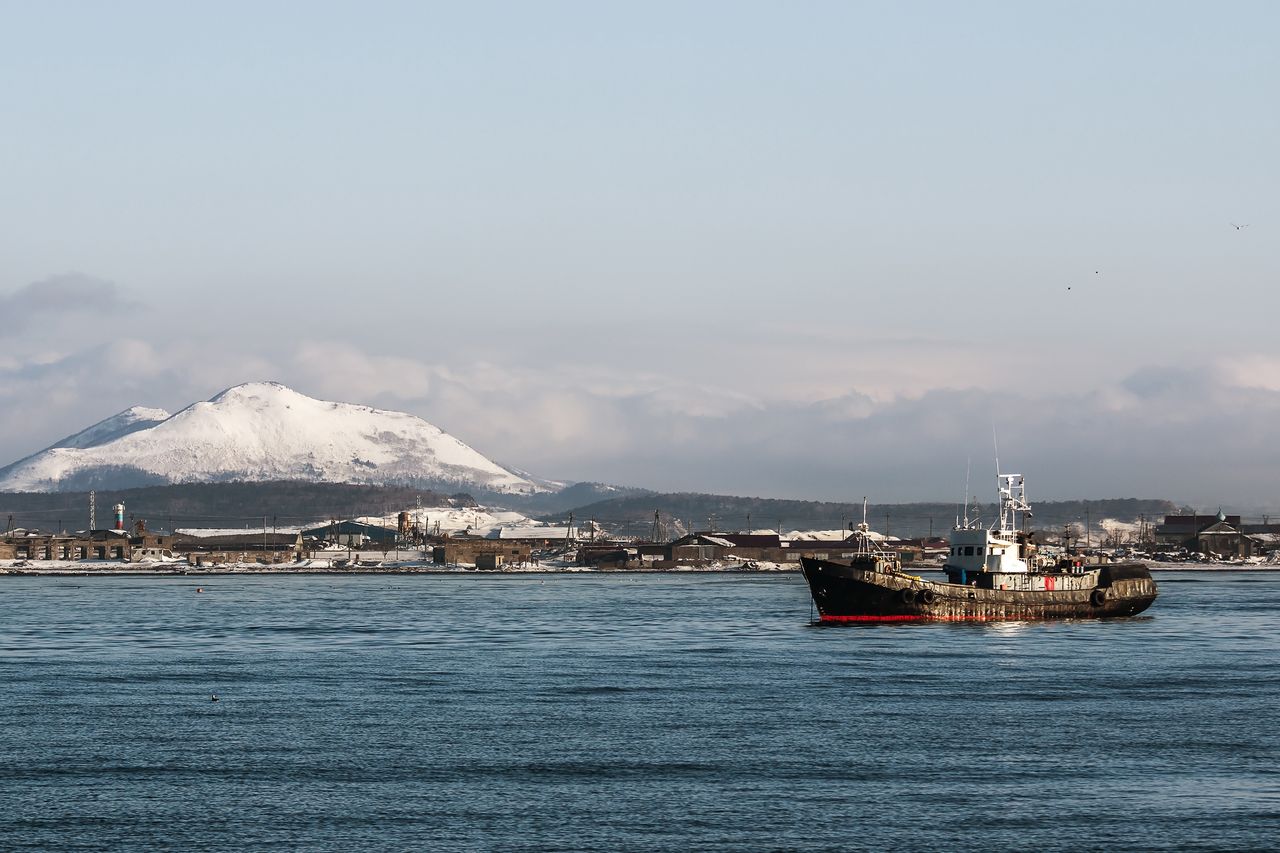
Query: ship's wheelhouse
(976, 551)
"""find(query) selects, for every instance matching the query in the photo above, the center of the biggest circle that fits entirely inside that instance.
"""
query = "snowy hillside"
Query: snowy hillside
(260, 431)
(116, 426)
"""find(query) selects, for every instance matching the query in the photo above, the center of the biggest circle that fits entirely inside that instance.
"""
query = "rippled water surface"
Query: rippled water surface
(651, 712)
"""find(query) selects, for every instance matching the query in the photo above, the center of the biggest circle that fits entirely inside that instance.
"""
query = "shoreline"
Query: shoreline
(382, 570)
(183, 570)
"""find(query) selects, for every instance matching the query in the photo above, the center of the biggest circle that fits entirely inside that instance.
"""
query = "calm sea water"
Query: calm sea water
(624, 713)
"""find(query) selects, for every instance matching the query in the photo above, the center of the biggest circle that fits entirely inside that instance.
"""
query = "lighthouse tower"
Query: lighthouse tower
(119, 511)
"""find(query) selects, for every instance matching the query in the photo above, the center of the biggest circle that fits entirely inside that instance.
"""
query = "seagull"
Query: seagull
(213, 698)
(1239, 227)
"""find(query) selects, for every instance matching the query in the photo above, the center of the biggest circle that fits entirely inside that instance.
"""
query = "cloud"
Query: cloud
(1253, 371)
(333, 369)
(45, 396)
(1190, 436)
(1150, 383)
(70, 293)
(1187, 433)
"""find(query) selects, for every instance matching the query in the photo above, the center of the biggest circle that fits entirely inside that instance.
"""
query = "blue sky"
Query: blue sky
(809, 249)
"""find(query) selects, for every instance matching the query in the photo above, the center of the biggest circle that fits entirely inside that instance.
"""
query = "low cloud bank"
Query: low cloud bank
(1197, 434)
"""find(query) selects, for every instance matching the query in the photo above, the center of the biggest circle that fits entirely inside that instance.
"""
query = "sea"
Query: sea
(624, 712)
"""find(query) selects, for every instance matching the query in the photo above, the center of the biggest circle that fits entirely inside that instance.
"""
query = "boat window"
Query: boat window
(968, 550)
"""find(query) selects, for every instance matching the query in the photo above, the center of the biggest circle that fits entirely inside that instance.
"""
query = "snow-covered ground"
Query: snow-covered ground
(231, 531)
(836, 535)
(479, 521)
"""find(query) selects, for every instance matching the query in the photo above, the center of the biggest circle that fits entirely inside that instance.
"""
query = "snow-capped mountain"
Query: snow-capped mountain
(261, 431)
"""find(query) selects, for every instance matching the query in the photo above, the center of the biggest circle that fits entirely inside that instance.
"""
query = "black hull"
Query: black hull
(845, 593)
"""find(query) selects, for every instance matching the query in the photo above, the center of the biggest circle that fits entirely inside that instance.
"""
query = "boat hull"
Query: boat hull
(849, 593)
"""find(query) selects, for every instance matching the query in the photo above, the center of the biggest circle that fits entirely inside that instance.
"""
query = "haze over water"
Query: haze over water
(623, 713)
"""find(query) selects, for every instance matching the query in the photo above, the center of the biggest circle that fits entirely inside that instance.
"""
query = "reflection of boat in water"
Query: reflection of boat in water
(993, 573)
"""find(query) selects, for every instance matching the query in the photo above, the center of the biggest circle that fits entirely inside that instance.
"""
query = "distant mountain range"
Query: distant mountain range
(263, 431)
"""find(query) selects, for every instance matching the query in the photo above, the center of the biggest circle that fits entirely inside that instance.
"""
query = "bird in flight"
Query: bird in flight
(1239, 227)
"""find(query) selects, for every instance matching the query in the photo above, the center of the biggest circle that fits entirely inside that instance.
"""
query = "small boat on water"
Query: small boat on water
(993, 574)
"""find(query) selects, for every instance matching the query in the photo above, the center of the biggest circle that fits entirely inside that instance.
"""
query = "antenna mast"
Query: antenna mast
(996, 444)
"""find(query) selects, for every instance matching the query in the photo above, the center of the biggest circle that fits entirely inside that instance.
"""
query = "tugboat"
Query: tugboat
(993, 574)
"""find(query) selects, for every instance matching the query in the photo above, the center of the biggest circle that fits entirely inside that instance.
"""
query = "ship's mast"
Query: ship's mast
(864, 541)
(1013, 500)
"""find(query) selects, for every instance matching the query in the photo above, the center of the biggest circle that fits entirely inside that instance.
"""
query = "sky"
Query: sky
(812, 250)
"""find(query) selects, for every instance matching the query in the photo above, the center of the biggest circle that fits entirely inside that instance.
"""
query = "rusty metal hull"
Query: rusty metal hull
(849, 593)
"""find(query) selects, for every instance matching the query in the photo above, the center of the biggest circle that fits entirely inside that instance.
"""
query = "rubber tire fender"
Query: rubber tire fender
(1098, 597)
(908, 595)
(925, 597)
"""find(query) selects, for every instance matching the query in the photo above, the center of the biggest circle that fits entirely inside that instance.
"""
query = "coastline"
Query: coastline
(97, 569)
(108, 569)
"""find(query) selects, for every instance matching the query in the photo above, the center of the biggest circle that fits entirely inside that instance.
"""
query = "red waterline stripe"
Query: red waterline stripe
(898, 618)
(909, 618)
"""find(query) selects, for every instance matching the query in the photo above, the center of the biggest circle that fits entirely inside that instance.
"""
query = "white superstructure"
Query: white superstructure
(1002, 548)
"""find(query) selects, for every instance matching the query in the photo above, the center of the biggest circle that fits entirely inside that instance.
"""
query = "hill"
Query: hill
(258, 432)
(220, 504)
(686, 511)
